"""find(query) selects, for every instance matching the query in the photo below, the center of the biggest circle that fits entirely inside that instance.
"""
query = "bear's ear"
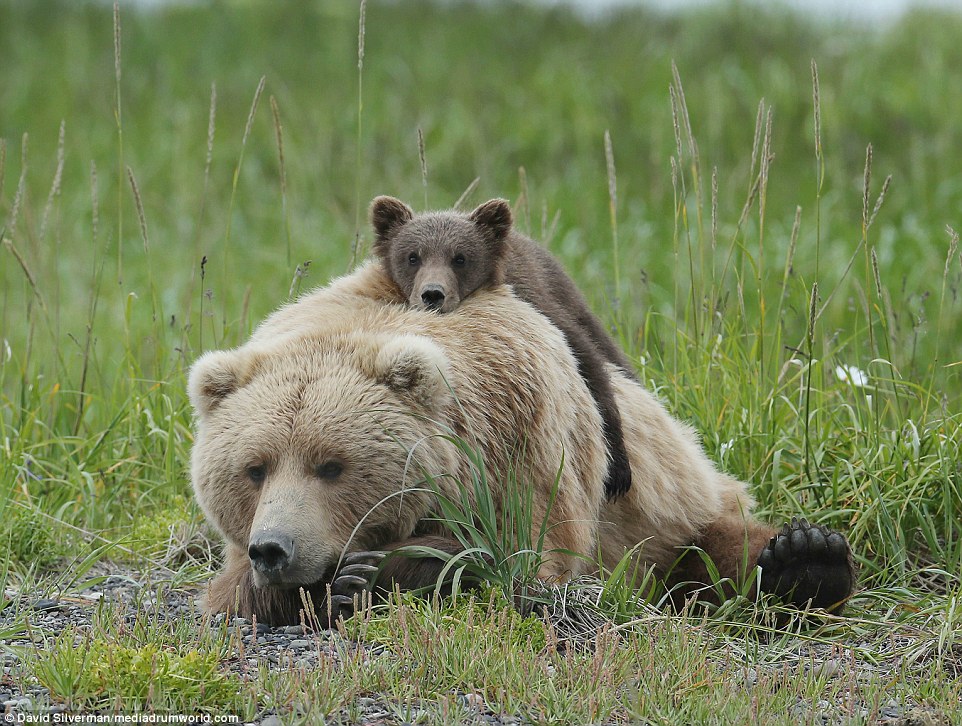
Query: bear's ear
(416, 367)
(495, 216)
(216, 375)
(387, 215)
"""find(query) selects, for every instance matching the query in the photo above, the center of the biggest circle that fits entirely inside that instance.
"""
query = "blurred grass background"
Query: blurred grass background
(102, 311)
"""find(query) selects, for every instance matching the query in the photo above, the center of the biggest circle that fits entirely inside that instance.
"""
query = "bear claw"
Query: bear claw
(359, 569)
(342, 601)
(354, 577)
(806, 564)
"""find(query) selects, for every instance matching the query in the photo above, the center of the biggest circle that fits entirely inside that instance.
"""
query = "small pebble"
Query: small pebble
(299, 644)
(891, 712)
(828, 669)
(46, 605)
(272, 720)
(473, 700)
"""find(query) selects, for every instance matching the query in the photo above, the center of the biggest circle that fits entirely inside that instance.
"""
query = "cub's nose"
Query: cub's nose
(433, 297)
(270, 552)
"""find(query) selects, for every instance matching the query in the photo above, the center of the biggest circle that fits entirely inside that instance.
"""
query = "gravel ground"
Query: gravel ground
(279, 647)
(286, 646)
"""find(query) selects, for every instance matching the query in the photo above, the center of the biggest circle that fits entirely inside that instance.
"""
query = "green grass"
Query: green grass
(154, 208)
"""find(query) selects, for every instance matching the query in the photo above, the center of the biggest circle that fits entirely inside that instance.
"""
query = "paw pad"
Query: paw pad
(808, 563)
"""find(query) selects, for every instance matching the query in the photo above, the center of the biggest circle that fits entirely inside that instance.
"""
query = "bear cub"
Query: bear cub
(440, 258)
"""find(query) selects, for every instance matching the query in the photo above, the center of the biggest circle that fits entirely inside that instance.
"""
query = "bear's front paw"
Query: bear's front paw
(353, 578)
(808, 563)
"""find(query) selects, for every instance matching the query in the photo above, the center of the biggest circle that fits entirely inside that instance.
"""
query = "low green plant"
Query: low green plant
(139, 670)
(31, 537)
(166, 533)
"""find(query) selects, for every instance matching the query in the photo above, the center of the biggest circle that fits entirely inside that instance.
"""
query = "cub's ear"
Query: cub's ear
(495, 216)
(387, 216)
(216, 375)
(414, 366)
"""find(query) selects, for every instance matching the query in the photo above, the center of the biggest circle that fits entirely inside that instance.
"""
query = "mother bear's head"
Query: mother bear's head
(286, 471)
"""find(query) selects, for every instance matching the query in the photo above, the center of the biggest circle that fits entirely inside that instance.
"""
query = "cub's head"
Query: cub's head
(313, 447)
(440, 258)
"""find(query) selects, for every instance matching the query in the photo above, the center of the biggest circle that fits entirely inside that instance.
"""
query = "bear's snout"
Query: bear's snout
(432, 296)
(271, 552)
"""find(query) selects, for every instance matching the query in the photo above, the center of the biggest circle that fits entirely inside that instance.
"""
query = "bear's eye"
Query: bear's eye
(459, 260)
(257, 473)
(413, 258)
(329, 470)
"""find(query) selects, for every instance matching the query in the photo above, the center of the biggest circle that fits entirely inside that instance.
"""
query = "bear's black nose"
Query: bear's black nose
(432, 296)
(270, 552)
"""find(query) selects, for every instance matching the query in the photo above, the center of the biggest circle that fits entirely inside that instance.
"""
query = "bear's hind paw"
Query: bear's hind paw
(808, 564)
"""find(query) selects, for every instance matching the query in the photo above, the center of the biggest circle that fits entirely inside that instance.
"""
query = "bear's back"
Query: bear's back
(516, 383)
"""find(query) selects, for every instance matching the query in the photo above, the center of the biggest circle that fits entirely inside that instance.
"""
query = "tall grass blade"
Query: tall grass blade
(422, 157)
(55, 186)
(279, 137)
(3, 164)
(360, 108)
(613, 214)
(235, 180)
(819, 163)
(119, 120)
(468, 191)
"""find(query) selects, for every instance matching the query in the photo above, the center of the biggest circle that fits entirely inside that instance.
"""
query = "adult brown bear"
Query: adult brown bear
(313, 440)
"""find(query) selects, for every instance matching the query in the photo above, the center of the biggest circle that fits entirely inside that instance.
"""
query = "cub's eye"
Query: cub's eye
(413, 258)
(329, 470)
(257, 474)
(459, 260)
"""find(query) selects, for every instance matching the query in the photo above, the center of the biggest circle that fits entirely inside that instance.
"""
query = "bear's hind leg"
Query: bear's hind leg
(733, 545)
(803, 564)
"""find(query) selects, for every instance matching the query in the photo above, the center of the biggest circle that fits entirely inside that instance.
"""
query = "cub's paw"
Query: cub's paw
(353, 578)
(808, 564)
(618, 478)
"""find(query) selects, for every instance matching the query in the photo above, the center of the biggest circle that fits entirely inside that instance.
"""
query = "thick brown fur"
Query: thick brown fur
(316, 436)
(440, 258)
